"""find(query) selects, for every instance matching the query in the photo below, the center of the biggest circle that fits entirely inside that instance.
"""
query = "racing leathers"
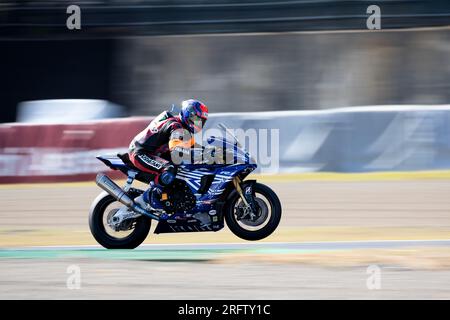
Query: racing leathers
(151, 150)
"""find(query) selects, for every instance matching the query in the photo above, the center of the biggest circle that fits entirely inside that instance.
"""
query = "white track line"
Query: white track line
(252, 244)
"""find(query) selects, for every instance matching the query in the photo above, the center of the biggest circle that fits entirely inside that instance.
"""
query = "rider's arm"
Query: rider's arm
(182, 147)
(181, 139)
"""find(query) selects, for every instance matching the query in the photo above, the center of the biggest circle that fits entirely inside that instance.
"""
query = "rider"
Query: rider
(152, 149)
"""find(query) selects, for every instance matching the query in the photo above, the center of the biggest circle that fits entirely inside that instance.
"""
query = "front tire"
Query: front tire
(239, 227)
(97, 226)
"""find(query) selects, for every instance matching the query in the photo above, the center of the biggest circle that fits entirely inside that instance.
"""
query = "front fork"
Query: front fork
(246, 196)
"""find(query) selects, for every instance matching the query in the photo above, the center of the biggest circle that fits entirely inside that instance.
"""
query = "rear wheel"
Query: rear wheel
(266, 218)
(132, 233)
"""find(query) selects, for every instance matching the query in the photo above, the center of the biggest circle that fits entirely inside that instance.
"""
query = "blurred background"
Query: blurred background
(366, 112)
(137, 58)
(237, 56)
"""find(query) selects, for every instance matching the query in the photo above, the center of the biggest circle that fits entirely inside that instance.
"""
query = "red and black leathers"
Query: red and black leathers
(150, 150)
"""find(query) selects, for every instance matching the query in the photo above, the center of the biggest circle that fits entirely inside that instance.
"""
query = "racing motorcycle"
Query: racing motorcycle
(202, 198)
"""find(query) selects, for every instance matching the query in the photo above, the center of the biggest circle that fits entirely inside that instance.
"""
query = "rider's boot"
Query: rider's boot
(149, 200)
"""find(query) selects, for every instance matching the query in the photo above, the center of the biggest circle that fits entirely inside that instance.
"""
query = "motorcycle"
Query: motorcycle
(203, 197)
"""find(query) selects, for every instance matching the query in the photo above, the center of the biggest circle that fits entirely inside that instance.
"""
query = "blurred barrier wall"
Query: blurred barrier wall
(65, 152)
(359, 139)
(341, 140)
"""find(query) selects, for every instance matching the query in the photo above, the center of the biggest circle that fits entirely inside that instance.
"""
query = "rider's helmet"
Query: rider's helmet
(193, 114)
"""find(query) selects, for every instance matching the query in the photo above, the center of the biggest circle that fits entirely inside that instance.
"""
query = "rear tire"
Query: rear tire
(96, 224)
(273, 220)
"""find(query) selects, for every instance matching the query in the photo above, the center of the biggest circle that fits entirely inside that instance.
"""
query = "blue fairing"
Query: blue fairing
(114, 162)
(223, 175)
(239, 163)
(238, 155)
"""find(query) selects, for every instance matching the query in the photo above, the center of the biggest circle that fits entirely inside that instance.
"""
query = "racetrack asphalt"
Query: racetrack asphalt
(208, 251)
(403, 227)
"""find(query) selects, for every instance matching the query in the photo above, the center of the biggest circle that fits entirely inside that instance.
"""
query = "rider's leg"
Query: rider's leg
(163, 170)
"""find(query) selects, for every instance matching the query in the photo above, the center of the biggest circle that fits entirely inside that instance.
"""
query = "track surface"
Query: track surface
(321, 245)
(305, 203)
(183, 271)
(212, 248)
(190, 272)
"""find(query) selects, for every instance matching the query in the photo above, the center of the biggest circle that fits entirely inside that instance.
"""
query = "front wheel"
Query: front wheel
(267, 217)
(132, 235)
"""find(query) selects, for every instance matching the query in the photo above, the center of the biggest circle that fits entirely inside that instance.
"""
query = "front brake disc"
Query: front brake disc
(263, 212)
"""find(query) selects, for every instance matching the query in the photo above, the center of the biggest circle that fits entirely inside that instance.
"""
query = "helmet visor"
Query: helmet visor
(196, 121)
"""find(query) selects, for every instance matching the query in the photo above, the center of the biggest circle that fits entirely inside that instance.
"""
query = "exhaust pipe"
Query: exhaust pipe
(104, 182)
(113, 189)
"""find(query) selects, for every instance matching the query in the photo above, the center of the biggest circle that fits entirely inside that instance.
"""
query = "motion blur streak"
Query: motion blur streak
(361, 114)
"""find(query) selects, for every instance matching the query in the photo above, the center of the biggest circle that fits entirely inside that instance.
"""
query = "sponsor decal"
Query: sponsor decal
(182, 150)
(151, 162)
